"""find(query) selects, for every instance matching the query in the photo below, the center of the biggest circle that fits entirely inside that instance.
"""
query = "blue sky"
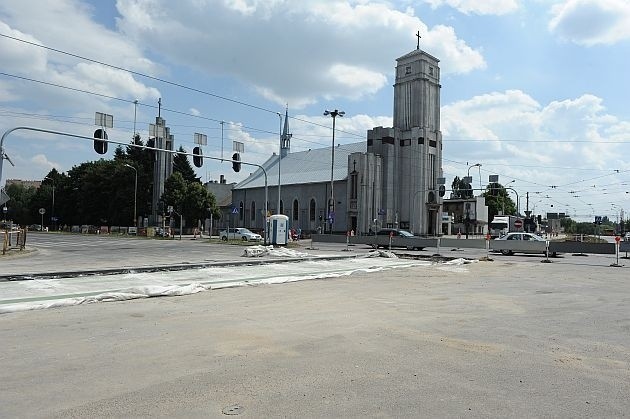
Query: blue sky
(536, 91)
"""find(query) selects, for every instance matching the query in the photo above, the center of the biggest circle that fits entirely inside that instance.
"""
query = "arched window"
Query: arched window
(281, 207)
(253, 214)
(241, 207)
(295, 210)
(312, 210)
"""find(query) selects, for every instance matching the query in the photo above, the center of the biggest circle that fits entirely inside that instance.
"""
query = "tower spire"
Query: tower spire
(286, 137)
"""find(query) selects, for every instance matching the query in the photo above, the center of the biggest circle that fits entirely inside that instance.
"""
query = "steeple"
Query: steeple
(285, 144)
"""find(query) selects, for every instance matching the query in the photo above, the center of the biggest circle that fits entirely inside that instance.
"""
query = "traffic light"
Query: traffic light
(100, 146)
(197, 159)
(236, 164)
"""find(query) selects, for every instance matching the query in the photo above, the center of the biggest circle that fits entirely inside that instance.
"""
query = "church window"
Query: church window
(404, 143)
(295, 210)
(353, 186)
(408, 69)
(241, 206)
(253, 213)
(432, 143)
(420, 140)
(388, 140)
(431, 71)
(312, 210)
(369, 142)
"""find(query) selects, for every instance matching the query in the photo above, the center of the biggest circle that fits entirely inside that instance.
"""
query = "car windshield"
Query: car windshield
(405, 233)
(245, 231)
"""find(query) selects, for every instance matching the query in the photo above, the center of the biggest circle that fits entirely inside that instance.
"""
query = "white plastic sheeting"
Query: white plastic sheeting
(260, 251)
(122, 295)
(50, 293)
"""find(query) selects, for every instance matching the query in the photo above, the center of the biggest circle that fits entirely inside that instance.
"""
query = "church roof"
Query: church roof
(311, 166)
(417, 52)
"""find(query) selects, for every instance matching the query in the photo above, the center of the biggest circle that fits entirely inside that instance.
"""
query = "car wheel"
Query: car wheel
(244, 238)
(224, 238)
(506, 252)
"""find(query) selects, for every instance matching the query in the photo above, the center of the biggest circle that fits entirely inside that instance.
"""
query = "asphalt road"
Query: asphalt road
(496, 339)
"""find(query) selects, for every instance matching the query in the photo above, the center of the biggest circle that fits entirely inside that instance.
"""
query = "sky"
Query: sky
(535, 91)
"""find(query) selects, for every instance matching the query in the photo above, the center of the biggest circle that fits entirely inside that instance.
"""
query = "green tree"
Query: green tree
(461, 189)
(198, 202)
(20, 204)
(498, 201)
(175, 190)
(190, 199)
(143, 160)
(182, 165)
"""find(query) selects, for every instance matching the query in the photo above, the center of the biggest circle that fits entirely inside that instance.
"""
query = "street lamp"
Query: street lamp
(475, 165)
(331, 206)
(52, 215)
(135, 194)
(517, 199)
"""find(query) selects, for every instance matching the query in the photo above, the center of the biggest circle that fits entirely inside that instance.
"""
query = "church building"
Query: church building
(393, 179)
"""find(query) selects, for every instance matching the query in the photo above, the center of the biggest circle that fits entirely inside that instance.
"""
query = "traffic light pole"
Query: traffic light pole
(83, 137)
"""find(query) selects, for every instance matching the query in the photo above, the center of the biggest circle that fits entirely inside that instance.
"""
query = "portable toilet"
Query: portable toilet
(278, 228)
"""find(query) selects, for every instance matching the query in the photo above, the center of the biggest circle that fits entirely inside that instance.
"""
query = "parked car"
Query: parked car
(161, 232)
(399, 234)
(239, 234)
(394, 232)
(522, 237)
(35, 227)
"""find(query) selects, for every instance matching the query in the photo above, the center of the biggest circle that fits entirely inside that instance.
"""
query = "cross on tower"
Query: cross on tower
(418, 36)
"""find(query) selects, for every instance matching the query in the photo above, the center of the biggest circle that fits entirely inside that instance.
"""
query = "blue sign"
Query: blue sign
(381, 212)
(234, 210)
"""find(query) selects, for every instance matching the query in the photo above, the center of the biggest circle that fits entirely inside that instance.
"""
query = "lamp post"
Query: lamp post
(135, 194)
(279, 162)
(331, 205)
(52, 212)
(475, 165)
(518, 212)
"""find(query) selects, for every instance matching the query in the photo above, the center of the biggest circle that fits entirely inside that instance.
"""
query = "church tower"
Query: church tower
(411, 150)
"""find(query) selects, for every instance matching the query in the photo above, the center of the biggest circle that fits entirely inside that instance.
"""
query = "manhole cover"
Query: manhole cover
(235, 409)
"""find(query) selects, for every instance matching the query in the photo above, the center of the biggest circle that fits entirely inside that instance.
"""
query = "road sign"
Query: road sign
(518, 223)
(617, 239)
(42, 211)
(235, 210)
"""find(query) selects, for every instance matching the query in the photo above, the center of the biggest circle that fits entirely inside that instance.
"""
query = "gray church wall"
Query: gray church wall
(304, 193)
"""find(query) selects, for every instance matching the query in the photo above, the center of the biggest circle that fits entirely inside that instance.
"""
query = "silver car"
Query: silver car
(518, 238)
(239, 234)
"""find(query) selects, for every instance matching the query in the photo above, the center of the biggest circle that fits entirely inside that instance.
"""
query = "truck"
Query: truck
(504, 224)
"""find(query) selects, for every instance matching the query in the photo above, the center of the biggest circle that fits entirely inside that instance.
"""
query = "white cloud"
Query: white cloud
(484, 7)
(28, 21)
(295, 52)
(194, 111)
(506, 129)
(591, 22)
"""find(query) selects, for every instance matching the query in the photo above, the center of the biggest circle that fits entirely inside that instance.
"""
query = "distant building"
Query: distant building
(465, 211)
(390, 180)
